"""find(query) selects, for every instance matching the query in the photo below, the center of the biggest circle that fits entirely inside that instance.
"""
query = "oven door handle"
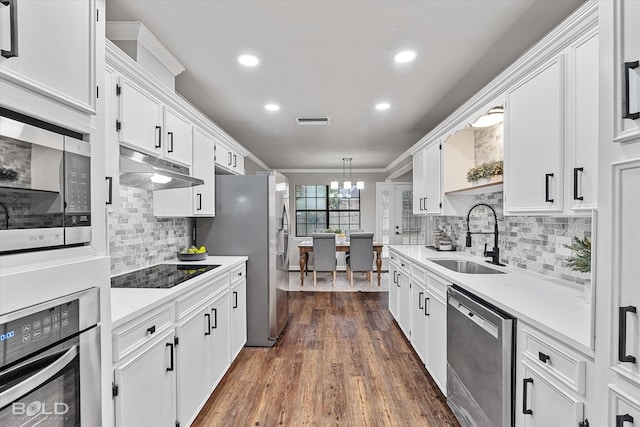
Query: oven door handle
(39, 378)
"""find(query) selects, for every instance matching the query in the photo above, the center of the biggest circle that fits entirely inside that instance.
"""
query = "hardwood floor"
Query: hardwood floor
(342, 361)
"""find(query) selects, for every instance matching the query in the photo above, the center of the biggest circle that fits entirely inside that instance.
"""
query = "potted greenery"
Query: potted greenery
(485, 173)
(581, 262)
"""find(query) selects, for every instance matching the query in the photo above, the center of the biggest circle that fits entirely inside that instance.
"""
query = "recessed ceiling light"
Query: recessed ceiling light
(272, 107)
(383, 106)
(404, 56)
(248, 60)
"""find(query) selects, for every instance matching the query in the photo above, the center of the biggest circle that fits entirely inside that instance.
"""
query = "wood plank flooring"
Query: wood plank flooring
(342, 361)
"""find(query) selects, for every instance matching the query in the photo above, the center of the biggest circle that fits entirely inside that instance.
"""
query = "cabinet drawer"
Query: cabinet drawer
(437, 285)
(555, 359)
(140, 330)
(404, 266)
(419, 274)
(238, 273)
(190, 301)
(393, 257)
(624, 407)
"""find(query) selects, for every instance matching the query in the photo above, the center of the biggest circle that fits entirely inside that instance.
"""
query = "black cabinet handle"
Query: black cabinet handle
(584, 423)
(235, 161)
(425, 204)
(575, 183)
(170, 368)
(159, 129)
(109, 190)
(421, 199)
(621, 419)
(215, 318)
(199, 196)
(622, 334)
(13, 28)
(170, 150)
(525, 392)
(208, 329)
(426, 300)
(420, 300)
(229, 160)
(395, 276)
(546, 187)
(628, 66)
(544, 358)
(235, 299)
(151, 330)
(398, 281)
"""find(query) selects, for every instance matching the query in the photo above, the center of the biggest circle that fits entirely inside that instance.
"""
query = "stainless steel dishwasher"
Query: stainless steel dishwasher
(480, 365)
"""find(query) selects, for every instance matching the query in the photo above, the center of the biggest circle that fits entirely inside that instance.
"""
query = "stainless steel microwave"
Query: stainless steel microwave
(45, 188)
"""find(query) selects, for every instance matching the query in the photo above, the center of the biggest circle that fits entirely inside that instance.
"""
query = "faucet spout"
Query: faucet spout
(495, 253)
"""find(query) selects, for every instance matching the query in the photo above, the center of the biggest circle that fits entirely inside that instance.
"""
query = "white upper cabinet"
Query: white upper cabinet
(419, 182)
(582, 147)
(178, 136)
(534, 134)
(51, 50)
(229, 160)
(626, 72)
(427, 191)
(140, 118)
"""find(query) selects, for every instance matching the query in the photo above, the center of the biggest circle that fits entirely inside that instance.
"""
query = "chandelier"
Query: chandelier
(346, 181)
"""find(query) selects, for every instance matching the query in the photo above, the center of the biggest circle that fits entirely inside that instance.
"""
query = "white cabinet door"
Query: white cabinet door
(624, 407)
(238, 163)
(112, 153)
(626, 269)
(627, 66)
(146, 386)
(140, 123)
(541, 403)
(582, 165)
(238, 317)
(534, 132)
(224, 156)
(419, 320)
(204, 196)
(436, 360)
(433, 191)
(178, 137)
(404, 303)
(55, 49)
(394, 289)
(419, 182)
(220, 337)
(193, 363)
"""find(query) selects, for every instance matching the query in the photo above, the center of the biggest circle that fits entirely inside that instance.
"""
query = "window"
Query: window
(319, 208)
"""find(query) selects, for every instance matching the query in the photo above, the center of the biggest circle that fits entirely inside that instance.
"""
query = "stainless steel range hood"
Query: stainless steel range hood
(144, 171)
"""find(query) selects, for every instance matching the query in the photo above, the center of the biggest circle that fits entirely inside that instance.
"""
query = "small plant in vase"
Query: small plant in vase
(483, 173)
(581, 261)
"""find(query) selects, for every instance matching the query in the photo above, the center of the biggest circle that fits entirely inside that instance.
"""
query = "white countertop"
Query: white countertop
(541, 301)
(128, 303)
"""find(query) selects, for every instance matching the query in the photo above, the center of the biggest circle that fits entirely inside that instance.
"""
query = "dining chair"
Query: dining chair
(324, 254)
(360, 256)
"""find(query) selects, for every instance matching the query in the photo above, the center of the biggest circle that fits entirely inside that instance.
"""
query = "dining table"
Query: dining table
(307, 246)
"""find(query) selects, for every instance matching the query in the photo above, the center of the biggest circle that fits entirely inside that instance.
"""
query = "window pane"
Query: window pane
(311, 204)
(299, 191)
(321, 203)
(301, 204)
(354, 204)
(321, 191)
(311, 191)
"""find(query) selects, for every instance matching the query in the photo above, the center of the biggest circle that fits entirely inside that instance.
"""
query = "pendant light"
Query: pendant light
(347, 182)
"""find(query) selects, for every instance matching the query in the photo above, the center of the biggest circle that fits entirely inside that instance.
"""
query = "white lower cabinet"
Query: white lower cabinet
(238, 316)
(145, 385)
(393, 286)
(436, 307)
(404, 300)
(419, 319)
(167, 365)
(624, 407)
(544, 403)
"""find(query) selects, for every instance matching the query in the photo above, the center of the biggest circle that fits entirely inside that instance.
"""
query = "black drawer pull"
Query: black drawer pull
(235, 299)
(544, 358)
(159, 144)
(622, 334)
(151, 330)
(170, 368)
(525, 392)
(426, 300)
(215, 318)
(547, 197)
(13, 28)
(207, 330)
(420, 300)
(170, 150)
(575, 183)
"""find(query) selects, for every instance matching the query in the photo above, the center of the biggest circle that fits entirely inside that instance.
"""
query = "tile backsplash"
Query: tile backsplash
(531, 242)
(137, 239)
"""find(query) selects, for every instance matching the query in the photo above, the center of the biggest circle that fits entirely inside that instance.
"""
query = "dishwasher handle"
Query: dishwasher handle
(474, 317)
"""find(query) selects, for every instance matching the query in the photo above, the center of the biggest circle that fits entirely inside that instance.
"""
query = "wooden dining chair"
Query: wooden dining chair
(324, 254)
(360, 256)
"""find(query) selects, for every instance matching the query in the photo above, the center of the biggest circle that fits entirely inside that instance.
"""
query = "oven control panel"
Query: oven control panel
(31, 333)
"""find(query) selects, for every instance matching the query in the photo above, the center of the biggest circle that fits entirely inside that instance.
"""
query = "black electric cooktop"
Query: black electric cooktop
(160, 276)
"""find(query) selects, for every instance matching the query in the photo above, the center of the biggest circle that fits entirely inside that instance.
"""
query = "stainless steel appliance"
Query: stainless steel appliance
(252, 219)
(50, 363)
(45, 188)
(160, 276)
(480, 365)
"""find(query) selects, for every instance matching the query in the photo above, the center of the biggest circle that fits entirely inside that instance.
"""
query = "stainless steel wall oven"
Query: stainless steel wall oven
(50, 363)
(45, 188)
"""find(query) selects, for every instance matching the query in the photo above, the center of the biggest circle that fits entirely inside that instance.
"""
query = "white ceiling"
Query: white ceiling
(334, 58)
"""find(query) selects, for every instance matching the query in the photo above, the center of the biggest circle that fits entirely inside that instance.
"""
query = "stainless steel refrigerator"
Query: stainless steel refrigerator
(251, 218)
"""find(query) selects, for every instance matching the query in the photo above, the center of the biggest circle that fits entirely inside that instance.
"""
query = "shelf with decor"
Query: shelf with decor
(490, 187)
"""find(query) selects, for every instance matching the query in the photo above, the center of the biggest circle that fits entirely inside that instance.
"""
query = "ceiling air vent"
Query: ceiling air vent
(312, 121)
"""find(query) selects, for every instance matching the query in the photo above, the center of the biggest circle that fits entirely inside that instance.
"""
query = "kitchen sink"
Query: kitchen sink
(464, 266)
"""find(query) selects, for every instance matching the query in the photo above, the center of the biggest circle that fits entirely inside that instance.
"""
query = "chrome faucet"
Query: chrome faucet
(495, 253)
